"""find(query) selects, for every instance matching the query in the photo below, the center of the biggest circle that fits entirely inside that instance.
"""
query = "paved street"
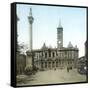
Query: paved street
(54, 76)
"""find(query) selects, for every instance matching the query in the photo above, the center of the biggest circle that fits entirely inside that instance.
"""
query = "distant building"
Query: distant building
(86, 51)
(83, 61)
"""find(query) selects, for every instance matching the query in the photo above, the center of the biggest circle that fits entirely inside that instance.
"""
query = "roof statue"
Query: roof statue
(76, 46)
(30, 12)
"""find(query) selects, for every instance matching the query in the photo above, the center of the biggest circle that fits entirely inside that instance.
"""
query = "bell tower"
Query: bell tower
(59, 36)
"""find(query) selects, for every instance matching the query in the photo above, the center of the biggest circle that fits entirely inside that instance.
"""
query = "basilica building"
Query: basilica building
(53, 58)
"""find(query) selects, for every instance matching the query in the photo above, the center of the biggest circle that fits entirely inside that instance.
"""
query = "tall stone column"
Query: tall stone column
(31, 19)
(29, 59)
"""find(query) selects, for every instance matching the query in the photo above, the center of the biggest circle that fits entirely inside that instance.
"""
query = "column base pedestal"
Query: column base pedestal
(28, 70)
(29, 63)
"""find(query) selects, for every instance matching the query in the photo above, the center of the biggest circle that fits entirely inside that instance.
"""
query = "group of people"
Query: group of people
(68, 69)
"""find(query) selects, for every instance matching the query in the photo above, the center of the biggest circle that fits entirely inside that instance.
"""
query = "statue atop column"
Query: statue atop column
(29, 57)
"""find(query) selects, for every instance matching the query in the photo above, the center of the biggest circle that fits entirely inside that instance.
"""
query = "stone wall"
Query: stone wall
(20, 63)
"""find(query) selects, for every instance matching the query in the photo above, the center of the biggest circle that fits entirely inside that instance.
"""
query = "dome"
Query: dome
(70, 45)
(44, 46)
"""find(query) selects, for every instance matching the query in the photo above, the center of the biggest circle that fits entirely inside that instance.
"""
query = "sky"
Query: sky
(46, 21)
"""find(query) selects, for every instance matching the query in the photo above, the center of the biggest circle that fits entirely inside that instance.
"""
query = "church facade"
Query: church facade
(55, 58)
(60, 57)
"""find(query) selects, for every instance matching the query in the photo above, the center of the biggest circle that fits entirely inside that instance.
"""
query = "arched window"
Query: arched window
(53, 54)
(45, 54)
(49, 53)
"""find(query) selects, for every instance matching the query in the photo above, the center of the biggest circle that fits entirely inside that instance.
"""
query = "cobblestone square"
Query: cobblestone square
(54, 77)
